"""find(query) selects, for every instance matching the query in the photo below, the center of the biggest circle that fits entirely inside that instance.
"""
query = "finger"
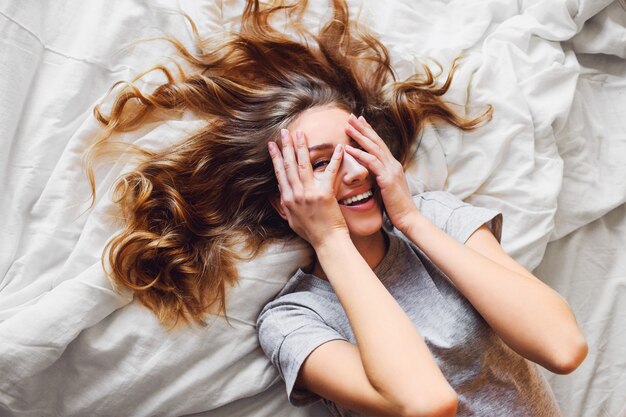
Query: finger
(362, 126)
(304, 159)
(279, 170)
(368, 144)
(365, 129)
(368, 160)
(362, 120)
(330, 173)
(289, 160)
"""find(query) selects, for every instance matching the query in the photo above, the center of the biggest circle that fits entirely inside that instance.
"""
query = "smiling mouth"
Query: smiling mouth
(358, 199)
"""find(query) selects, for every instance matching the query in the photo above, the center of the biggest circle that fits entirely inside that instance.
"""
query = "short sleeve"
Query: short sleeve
(455, 217)
(288, 333)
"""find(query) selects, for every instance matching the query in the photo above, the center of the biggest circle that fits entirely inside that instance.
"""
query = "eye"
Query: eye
(320, 163)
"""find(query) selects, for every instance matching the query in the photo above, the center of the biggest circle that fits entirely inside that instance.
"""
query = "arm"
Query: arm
(390, 371)
(392, 359)
(528, 315)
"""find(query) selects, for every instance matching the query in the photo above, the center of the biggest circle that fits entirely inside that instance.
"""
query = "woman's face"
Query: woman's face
(324, 128)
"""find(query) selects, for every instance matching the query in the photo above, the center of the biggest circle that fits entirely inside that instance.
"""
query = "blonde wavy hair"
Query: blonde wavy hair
(187, 208)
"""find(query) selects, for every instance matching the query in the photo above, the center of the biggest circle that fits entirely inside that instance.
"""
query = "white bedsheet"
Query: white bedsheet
(553, 159)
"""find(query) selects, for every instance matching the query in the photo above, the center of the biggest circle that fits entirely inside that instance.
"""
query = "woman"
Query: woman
(417, 323)
(189, 208)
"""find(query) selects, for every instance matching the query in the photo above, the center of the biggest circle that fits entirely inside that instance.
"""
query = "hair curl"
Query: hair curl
(187, 208)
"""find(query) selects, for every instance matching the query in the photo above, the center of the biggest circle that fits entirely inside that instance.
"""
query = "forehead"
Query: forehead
(324, 124)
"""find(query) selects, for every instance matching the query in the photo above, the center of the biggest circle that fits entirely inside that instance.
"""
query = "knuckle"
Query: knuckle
(300, 193)
(317, 197)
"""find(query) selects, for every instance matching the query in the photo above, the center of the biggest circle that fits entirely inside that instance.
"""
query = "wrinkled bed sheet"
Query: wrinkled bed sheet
(553, 159)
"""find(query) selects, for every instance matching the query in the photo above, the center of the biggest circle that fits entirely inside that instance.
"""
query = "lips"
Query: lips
(358, 198)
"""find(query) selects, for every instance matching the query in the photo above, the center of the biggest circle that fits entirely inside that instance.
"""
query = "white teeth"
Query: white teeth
(359, 197)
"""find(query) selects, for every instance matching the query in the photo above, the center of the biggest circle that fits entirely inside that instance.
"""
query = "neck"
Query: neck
(372, 248)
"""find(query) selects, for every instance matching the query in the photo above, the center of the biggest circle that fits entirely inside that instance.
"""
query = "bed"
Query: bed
(553, 160)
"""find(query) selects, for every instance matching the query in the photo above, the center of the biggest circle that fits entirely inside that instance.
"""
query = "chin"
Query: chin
(365, 227)
(363, 221)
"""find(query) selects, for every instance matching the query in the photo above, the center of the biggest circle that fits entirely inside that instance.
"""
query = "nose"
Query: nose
(352, 172)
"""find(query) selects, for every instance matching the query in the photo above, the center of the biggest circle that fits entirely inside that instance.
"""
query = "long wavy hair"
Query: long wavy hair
(187, 209)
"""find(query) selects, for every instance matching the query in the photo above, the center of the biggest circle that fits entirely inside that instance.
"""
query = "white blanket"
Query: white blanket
(552, 159)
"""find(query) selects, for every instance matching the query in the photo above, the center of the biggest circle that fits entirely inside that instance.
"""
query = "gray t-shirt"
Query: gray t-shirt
(489, 378)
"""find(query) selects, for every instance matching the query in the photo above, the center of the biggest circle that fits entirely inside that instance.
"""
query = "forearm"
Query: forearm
(395, 358)
(529, 316)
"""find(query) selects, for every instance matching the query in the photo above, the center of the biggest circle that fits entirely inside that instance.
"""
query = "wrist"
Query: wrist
(332, 241)
(411, 221)
(422, 232)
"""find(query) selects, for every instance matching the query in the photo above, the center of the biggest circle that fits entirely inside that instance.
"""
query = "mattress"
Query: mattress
(552, 159)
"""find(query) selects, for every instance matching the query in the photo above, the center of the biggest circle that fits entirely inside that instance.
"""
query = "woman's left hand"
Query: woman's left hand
(387, 170)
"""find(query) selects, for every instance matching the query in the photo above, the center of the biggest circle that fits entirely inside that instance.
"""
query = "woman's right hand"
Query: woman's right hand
(308, 201)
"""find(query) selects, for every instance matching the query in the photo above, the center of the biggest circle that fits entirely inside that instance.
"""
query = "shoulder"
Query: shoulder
(294, 324)
(456, 217)
(441, 202)
(306, 301)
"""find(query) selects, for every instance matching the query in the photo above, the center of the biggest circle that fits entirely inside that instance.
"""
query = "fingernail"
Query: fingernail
(284, 133)
(299, 135)
(270, 146)
(349, 147)
(338, 148)
(352, 117)
(361, 118)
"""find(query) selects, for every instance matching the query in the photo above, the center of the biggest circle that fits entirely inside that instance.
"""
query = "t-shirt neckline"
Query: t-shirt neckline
(380, 270)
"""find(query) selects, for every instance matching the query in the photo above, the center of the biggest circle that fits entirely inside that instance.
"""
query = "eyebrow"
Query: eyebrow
(326, 146)
(321, 147)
